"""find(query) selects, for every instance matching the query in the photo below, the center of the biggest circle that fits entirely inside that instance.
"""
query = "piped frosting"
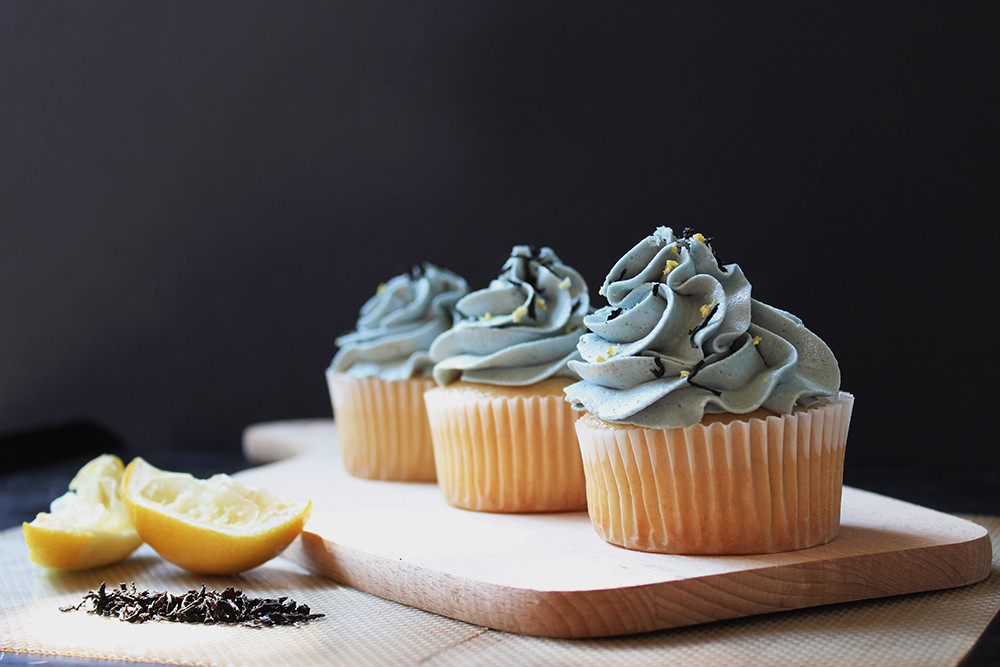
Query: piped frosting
(521, 329)
(688, 339)
(397, 325)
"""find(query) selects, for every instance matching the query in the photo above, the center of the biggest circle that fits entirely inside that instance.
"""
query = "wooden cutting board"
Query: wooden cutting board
(551, 575)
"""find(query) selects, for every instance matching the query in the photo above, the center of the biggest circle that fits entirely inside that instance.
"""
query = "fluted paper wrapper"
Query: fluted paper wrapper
(506, 453)
(759, 485)
(383, 427)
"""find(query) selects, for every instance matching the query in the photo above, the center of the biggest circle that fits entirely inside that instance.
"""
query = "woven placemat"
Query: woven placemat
(936, 628)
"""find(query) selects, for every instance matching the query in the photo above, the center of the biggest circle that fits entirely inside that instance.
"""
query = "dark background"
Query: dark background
(197, 197)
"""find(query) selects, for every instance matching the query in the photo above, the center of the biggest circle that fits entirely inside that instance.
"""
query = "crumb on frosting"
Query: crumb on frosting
(519, 313)
(671, 265)
(684, 374)
(486, 317)
(757, 339)
(540, 302)
(566, 282)
(381, 288)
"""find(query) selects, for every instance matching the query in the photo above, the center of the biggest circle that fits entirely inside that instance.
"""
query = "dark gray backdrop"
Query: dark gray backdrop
(196, 197)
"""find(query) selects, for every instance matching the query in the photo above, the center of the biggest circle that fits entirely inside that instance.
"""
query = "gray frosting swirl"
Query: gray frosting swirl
(521, 329)
(681, 336)
(398, 324)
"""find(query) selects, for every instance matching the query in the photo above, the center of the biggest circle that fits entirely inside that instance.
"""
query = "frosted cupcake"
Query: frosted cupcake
(380, 373)
(714, 423)
(503, 434)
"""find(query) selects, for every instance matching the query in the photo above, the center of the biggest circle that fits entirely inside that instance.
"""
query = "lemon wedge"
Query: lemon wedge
(209, 526)
(86, 527)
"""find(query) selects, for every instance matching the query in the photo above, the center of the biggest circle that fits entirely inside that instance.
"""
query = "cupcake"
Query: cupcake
(503, 433)
(713, 423)
(379, 375)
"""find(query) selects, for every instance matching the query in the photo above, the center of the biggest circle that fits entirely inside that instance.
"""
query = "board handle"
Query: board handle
(268, 442)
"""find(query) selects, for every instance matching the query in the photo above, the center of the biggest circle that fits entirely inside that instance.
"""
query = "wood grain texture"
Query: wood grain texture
(551, 575)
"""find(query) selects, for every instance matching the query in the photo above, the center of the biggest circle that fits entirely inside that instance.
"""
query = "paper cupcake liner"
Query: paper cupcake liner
(749, 486)
(506, 453)
(383, 427)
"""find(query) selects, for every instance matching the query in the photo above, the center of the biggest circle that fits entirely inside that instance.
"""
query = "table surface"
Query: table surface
(27, 490)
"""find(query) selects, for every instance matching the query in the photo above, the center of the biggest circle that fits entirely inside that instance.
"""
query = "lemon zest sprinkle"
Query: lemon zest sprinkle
(671, 265)
(756, 339)
(519, 313)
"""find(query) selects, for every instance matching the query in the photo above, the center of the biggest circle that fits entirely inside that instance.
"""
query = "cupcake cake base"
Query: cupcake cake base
(506, 449)
(383, 427)
(734, 484)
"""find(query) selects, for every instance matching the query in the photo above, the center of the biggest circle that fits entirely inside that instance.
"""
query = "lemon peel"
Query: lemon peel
(209, 526)
(87, 526)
